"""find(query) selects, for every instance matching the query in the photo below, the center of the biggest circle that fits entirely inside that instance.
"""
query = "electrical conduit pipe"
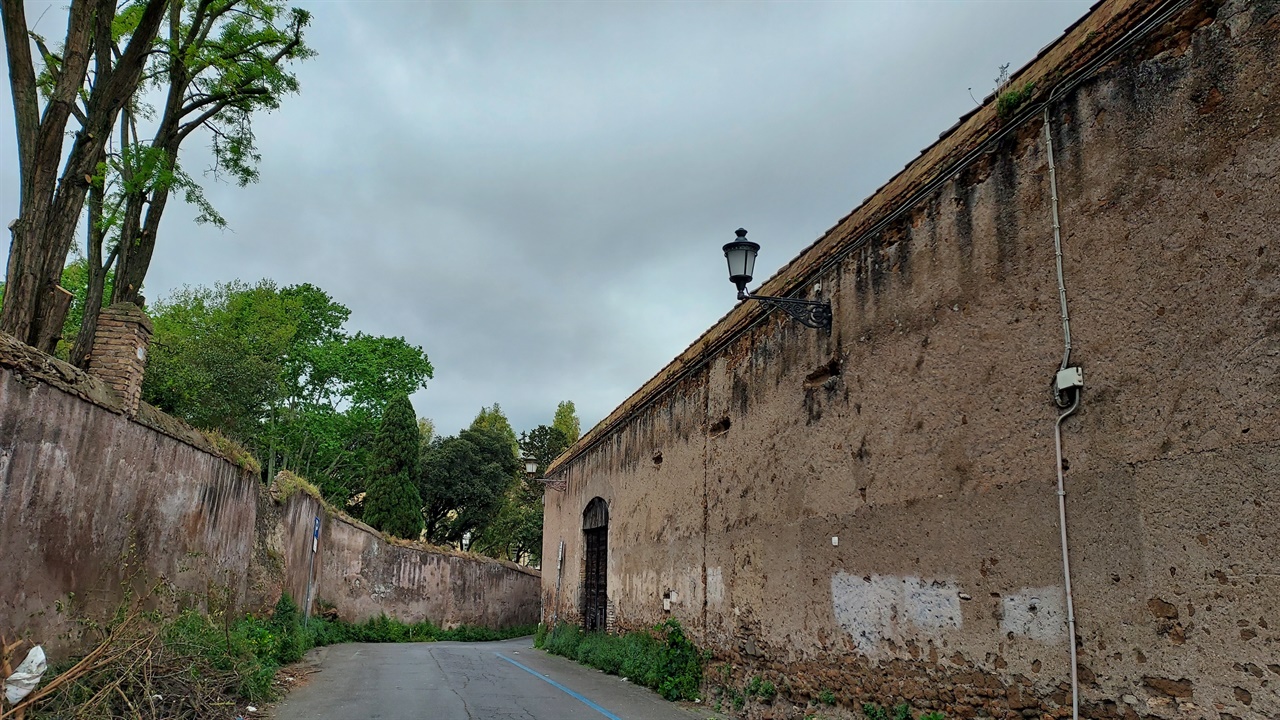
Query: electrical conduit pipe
(1057, 425)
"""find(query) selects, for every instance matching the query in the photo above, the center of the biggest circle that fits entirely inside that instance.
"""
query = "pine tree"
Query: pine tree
(392, 503)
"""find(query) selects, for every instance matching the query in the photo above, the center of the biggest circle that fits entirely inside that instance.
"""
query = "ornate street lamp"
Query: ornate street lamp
(741, 255)
(531, 470)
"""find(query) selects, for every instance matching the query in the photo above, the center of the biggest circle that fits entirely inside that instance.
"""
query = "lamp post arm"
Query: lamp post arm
(811, 313)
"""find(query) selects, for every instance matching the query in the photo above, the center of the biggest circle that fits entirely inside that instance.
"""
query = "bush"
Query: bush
(661, 658)
(193, 658)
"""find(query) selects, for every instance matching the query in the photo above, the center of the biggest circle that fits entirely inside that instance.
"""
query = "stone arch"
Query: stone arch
(595, 586)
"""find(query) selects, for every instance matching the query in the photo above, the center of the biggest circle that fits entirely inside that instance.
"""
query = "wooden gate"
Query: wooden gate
(595, 588)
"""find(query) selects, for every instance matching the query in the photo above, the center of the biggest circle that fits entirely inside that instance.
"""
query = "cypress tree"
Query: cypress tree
(392, 503)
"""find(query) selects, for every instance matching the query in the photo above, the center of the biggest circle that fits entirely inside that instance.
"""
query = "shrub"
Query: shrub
(218, 661)
(661, 658)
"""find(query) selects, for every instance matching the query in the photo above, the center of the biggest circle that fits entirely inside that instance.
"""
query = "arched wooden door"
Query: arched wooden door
(595, 589)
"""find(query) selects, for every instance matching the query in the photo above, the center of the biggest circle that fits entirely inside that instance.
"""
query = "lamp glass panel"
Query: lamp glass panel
(531, 466)
(742, 260)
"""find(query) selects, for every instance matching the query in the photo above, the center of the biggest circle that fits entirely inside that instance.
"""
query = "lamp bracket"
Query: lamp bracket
(560, 484)
(811, 313)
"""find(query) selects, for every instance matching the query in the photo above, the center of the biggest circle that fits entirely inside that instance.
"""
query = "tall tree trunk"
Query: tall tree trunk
(40, 154)
(98, 270)
(106, 100)
(49, 215)
(136, 250)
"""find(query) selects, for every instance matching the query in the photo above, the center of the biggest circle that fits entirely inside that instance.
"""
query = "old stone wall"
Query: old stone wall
(95, 505)
(874, 511)
(362, 575)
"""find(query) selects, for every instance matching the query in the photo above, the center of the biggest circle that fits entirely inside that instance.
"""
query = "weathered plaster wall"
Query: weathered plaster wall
(92, 501)
(919, 432)
(362, 575)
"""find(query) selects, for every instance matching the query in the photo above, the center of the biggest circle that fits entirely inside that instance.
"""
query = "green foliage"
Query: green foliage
(662, 658)
(216, 357)
(540, 636)
(253, 648)
(933, 715)
(494, 420)
(271, 368)
(826, 697)
(233, 451)
(1010, 100)
(393, 504)
(426, 430)
(286, 620)
(902, 711)
(761, 689)
(75, 279)
(566, 421)
(287, 485)
(874, 712)
(464, 481)
(516, 533)
(544, 444)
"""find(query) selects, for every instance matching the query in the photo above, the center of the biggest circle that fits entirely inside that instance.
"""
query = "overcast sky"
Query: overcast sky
(536, 193)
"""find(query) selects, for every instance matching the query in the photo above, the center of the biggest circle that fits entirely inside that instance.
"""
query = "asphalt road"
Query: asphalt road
(465, 681)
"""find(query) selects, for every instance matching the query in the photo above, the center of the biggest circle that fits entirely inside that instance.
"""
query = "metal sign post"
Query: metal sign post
(315, 544)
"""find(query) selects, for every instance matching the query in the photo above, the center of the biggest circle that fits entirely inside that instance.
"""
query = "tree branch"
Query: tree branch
(22, 82)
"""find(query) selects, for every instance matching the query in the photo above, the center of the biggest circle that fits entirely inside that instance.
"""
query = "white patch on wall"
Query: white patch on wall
(715, 585)
(876, 608)
(1037, 613)
(932, 605)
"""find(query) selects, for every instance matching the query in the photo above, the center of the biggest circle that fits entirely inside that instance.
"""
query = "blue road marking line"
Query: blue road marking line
(557, 685)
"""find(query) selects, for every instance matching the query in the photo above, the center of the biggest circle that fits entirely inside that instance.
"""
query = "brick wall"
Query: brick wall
(119, 354)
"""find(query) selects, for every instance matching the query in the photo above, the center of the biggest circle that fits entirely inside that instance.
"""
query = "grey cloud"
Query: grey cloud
(536, 192)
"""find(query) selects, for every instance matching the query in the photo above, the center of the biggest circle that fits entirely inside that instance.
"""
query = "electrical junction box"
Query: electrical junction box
(1072, 377)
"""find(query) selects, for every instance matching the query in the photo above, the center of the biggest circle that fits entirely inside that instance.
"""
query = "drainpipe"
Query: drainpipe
(1068, 385)
(555, 614)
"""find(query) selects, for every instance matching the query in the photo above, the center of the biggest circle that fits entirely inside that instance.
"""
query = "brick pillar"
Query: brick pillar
(119, 354)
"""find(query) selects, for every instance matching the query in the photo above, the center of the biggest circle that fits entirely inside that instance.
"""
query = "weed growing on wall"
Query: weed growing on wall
(762, 689)
(902, 711)
(234, 452)
(1010, 100)
(662, 658)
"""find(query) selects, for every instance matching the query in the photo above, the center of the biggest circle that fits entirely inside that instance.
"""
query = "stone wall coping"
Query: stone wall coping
(1086, 42)
(335, 514)
(28, 362)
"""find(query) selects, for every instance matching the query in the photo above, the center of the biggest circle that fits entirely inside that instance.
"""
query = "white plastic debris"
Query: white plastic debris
(26, 677)
(251, 709)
